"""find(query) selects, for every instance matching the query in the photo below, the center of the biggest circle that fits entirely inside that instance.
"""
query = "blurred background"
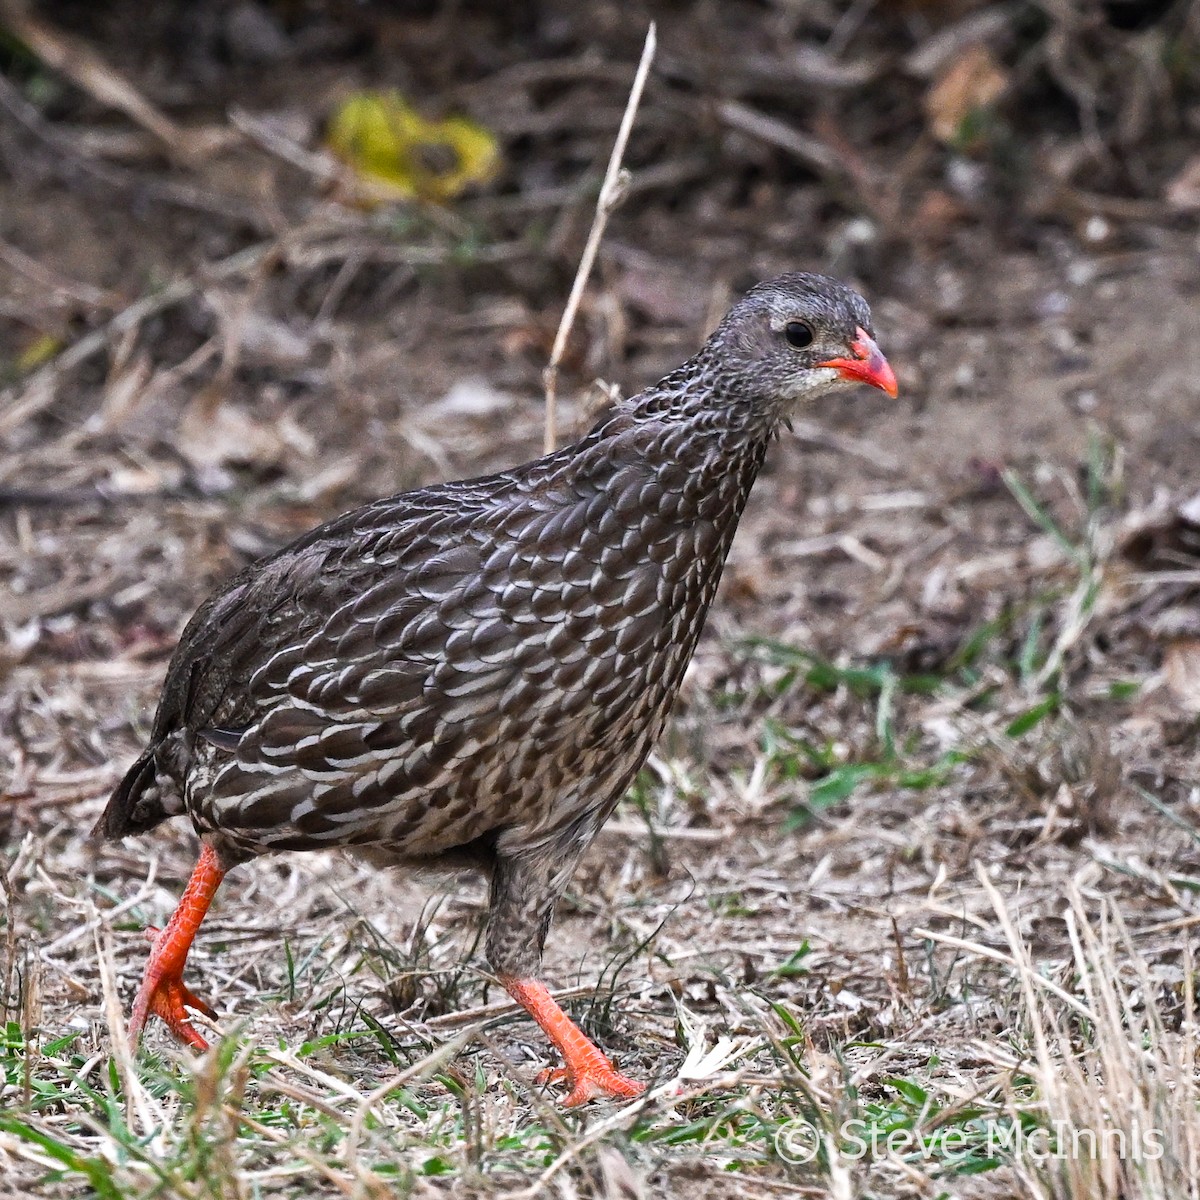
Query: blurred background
(412, 185)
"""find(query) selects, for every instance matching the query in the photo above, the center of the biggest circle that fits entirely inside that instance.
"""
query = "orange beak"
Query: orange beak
(867, 366)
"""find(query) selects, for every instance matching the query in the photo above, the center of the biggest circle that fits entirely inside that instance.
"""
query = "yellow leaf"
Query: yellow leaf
(388, 142)
(41, 350)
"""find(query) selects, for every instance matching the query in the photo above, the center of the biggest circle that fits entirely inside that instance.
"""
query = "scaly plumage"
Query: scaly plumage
(474, 672)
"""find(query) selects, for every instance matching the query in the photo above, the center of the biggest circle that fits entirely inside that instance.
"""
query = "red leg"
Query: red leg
(163, 992)
(587, 1070)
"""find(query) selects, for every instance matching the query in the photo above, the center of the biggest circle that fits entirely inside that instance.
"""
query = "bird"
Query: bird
(472, 673)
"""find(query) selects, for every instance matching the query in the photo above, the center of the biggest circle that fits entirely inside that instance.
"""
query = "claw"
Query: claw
(599, 1081)
(592, 1081)
(170, 1000)
(588, 1073)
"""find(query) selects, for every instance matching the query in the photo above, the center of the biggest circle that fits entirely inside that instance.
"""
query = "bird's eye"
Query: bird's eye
(799, 334)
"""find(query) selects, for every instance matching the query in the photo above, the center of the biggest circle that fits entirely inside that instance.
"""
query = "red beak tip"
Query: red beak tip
(867, 366)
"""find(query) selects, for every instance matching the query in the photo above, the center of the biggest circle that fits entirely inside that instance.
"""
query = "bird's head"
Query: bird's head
(795, 337)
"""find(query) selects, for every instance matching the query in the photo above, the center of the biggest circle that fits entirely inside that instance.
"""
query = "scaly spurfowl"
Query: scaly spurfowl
(473, 673)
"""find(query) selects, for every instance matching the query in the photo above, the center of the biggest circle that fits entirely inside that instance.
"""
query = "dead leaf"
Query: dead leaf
(936, 214)
(1183, 192)
(666, 297)
(968, 87)
(213, 433)
(620, 1180)
(41, 350)
(125, 391)
(471, 397)
(1163, 537)
(74, 58)
(1181, 668)
(258, 338)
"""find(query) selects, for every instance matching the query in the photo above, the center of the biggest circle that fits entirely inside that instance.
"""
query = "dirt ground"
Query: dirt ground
(929, 806)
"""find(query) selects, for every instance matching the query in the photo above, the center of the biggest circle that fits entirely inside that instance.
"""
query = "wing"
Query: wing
(423, 650)
(283, 617)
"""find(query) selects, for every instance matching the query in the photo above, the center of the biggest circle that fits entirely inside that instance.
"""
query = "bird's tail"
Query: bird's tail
(136, 804)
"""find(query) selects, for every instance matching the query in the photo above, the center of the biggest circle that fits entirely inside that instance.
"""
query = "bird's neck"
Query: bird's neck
(703, 396)
(700, 432)
(712, 470)
(692, 454)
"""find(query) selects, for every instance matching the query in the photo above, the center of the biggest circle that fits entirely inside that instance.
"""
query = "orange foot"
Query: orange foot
(164, 994)
(592, 1081)
(588, 1072)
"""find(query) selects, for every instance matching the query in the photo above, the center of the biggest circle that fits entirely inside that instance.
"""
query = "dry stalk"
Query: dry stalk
(1106, 1091)
(8, 994)
(87, 70)
(137, 1099)
(612, 191)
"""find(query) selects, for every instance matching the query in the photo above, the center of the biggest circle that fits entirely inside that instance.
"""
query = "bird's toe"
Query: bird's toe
(594, 1083)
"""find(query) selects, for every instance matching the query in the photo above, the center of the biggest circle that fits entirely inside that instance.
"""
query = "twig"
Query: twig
(637, 831)
(861, 448)
(1025, 973)
(237, 1114)
(8, 995)
(502, 1008)
(422, 1069)
(154, 187)
(137, 1099)
(803, 146)
(321, 166)
(612, 191)
(87, 70)
(50, 281)
(40, 388)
